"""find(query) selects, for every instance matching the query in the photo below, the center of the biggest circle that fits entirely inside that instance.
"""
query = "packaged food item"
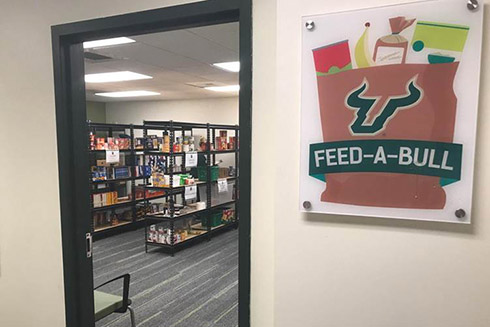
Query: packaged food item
(203, 144)
(228, 215)
(139, 143)
(447, 39)
(158, 180)
(332, 58)
(100, 143)
(155, 143)
(221, 143)
(392, 49)
(99, 173)
(161, 235)
(223, 172)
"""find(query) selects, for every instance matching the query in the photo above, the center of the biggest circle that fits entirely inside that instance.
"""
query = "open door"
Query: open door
(72, 141)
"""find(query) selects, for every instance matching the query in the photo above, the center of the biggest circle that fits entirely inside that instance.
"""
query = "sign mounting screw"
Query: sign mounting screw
(307, 205)
(310, 25)
(472, 4)
(460, 213)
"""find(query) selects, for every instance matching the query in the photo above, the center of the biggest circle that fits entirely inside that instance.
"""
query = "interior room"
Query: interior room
(162, 131)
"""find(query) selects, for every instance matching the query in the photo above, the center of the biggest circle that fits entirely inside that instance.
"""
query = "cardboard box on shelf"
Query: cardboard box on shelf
(223, 172)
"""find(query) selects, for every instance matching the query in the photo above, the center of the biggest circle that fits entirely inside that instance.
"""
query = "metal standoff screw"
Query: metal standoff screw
(472, 4)
(307, 205)
(460, 213)
(310, 25)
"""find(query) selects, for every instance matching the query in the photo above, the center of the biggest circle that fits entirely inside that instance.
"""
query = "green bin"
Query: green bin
(213, 219)
(202, 173)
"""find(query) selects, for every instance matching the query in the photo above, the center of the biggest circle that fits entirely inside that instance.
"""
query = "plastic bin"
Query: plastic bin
(213, 219)
(202, 173)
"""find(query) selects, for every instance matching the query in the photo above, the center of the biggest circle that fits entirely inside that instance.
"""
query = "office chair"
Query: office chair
(106, 304)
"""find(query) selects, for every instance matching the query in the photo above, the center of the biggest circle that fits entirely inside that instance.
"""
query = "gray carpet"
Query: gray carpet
(196, 288)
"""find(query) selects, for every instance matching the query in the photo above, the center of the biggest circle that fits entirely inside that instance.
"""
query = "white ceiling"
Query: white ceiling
(174, 60)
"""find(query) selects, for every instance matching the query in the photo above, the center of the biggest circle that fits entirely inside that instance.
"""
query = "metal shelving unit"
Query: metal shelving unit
(112, 184)
(197, 223)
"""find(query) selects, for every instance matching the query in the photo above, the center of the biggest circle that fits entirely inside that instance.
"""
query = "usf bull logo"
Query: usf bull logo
(369, 123)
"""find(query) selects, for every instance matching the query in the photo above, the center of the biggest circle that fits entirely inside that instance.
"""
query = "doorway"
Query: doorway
(75, 192)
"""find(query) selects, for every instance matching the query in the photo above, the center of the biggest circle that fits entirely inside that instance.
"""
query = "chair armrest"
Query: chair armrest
(126, 279)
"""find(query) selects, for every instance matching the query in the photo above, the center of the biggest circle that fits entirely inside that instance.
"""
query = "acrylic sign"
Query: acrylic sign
(389, 110)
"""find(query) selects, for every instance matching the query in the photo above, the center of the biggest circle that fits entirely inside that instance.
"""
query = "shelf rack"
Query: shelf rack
(111, 184)
(170, 128)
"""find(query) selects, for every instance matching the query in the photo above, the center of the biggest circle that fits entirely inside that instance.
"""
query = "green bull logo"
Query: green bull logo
(364, 106)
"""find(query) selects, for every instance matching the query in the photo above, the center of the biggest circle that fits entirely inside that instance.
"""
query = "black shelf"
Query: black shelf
(170, 168)
(189, 214)
(167, 218)
(114, 206)
(207, 235)
(116, 180)
(113, 130)
(169, 129)
(160, 153)
(223, 151)
(104, 151)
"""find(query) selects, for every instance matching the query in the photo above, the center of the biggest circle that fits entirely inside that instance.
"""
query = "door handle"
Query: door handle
(89, 244)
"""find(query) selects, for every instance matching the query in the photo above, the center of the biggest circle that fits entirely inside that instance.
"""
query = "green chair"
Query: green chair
(106, 304)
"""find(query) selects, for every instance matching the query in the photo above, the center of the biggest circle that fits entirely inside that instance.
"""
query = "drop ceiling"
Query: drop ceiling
(180, 63)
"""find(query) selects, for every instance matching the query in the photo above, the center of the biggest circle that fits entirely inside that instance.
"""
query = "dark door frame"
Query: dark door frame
(69, 82)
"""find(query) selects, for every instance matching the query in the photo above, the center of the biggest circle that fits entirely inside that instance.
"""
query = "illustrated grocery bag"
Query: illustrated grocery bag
(428, 115)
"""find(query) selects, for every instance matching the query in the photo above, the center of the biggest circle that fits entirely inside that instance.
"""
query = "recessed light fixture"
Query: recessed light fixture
(232, 66)
(114, 77)
(127, 94)
(107, 42)
(226, 88)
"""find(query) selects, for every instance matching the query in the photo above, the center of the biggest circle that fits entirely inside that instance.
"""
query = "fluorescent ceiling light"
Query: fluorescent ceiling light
(114, 77)
(227, 88)
(232, 66)
(107, 42)
(126, 94)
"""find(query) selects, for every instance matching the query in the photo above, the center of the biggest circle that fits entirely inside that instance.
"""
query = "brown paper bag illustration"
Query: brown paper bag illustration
(431, 117)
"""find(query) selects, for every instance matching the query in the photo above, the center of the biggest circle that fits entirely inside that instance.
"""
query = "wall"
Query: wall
(264, 135)
(212, 110)
(31, 279)
(328, 270)
(96, 112)
(368, 272)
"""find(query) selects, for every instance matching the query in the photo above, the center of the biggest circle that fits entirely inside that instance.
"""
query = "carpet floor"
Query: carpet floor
(198, 287)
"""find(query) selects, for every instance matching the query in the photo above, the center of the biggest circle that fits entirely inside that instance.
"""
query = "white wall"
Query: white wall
(213, 110)
(31, 280)
(264, 165)
(367, 272)
(96, 112)
(320, 271)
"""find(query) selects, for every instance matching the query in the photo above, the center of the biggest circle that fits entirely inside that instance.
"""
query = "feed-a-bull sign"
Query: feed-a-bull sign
(389, 109)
